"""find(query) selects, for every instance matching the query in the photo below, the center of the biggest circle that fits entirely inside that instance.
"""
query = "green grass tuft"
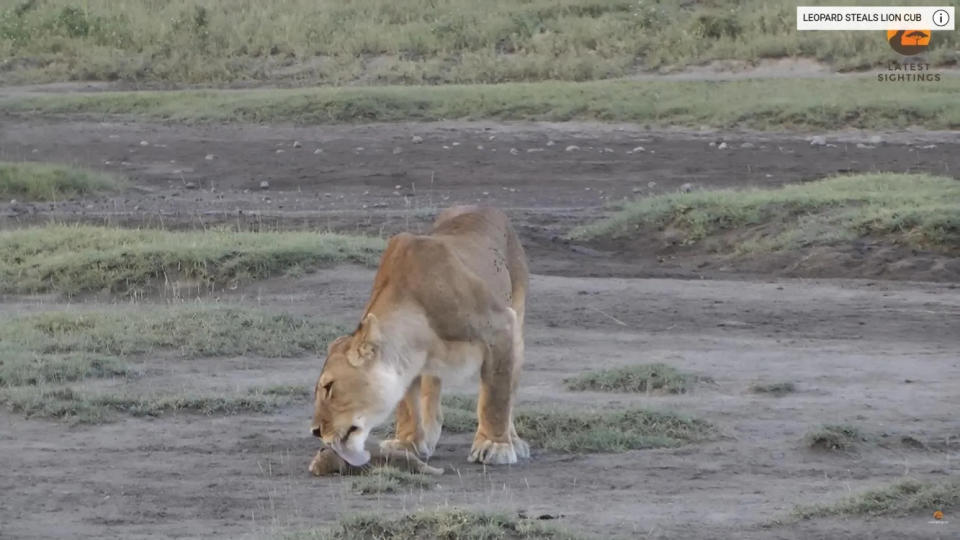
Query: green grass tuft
(918, 210)
(49, 182)
(438, 525)
(639, 378)
(900, 499)
(389, 480)
(828, 103)
(79, 259)
(835, 438)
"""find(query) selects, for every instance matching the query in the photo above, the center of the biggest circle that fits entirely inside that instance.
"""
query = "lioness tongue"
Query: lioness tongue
(353, 457)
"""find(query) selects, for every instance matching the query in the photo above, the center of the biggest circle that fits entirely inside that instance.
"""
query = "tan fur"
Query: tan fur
(442, 305)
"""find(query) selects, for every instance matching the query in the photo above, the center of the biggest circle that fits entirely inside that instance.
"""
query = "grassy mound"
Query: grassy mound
(778, 104)
(915, 210)
(78, 259)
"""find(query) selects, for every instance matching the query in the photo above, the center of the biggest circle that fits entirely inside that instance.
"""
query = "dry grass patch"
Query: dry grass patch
(91, 407)
(836, 438)
(776, 389)
(49, 182)
(388, 479)
(900, 499)
(439, 525)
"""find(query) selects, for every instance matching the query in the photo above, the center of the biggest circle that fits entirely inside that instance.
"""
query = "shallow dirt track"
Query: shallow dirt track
(882, 355)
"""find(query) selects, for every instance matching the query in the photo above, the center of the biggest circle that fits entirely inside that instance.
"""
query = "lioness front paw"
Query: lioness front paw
(492, 453)
(521, 447)
(397, 445)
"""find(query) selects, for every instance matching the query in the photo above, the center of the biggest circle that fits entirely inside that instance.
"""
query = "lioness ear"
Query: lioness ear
(370, 338)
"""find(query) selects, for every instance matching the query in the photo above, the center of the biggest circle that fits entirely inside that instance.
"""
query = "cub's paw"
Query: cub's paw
(399, 446)
(492, 453)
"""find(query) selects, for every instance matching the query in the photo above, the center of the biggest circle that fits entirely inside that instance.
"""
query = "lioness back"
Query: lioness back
(486, 242)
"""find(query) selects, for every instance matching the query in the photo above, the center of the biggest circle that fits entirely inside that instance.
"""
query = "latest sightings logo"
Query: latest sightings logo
(909, 42)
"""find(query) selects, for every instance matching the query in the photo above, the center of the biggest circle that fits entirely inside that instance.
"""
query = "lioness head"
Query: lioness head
(355, 393)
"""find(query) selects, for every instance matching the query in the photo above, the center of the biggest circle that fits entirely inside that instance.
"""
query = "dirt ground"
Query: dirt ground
(879, 354)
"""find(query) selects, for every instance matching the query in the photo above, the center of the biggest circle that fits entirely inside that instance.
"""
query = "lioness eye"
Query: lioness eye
(327, 387)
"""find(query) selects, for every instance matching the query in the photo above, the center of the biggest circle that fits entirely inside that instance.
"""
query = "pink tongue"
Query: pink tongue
(353, 457)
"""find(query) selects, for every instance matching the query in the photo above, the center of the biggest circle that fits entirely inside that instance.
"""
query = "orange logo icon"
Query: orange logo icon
(938, 515)
(909, 42)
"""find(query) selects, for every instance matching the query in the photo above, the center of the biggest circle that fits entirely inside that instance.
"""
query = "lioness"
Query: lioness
(442, 305)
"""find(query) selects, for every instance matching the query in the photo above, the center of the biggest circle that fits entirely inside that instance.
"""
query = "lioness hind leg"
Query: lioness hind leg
(493, 444)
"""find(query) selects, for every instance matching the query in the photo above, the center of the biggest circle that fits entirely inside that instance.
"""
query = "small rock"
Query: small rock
(532, 150)
(454, 143)
(297, 144)
(636, 190)
(279, 150)
(397, 150)
(818, 140)
(875, 139)
(607, 150)
(651, 184)
(445, 147)
(514, 151)
(318, 151)
(586, 189)
(748, 145)
(571, 148)
(929, 147)
(492, 137)
(638, 149)
(416, 139)
(479, 147)
(144, 143)
(358, 149)
(713, 143)
(722, 146)
(551, 143)
(13, 201)
(209, 157)
(398, 186)
(190, 185)
(686, 188)
(396, 193)
(264, 184)
(35, 151)
(865, 146)
(486, 193)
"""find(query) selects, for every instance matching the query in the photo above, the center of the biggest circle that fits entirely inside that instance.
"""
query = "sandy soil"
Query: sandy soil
(882, 355)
